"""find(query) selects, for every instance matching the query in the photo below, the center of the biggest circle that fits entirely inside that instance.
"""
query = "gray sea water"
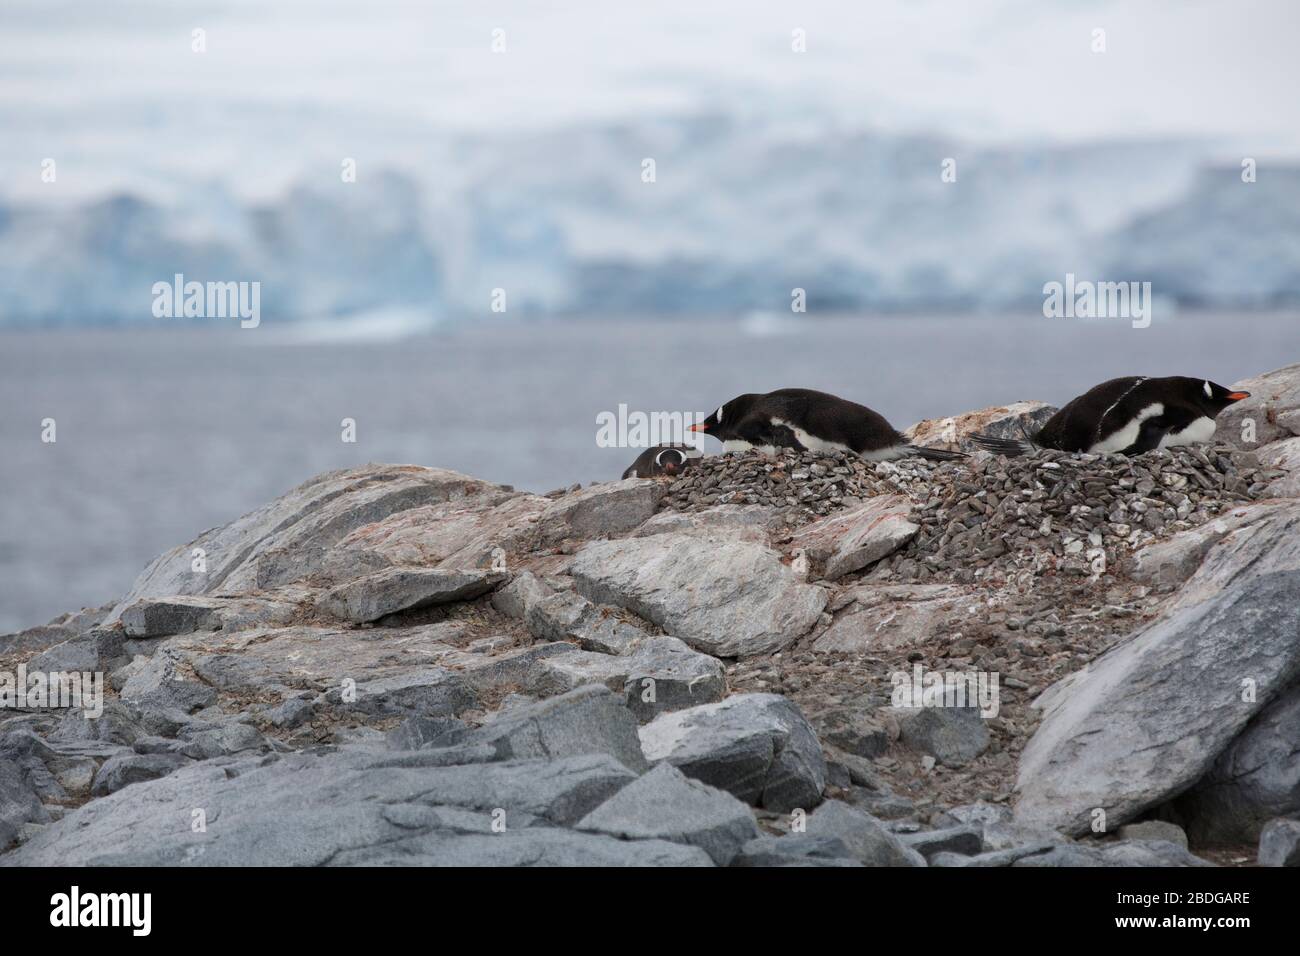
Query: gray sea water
(164, 433)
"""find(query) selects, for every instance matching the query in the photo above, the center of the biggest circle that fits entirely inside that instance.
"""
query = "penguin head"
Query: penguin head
(1213, 397)
(721, 424)
(673, 459)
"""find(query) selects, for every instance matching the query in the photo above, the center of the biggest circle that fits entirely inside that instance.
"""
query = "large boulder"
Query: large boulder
(1279, 843)
(600, 510)
(1256, 779)
(584, 721)
(757, 747)
(725, 597)
(1148, 719)
(316, 515)
(850, 540)
(865, 836)
(1172, 560)
(999, 421)
(665, 805)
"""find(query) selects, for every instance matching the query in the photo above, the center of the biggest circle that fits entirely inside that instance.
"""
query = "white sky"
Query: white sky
(114, 89)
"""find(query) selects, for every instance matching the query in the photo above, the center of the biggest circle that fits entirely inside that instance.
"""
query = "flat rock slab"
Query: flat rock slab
(183, 614)
(1173, 560)
(599, 511)
(665, 805)
(725, 597)
(850, 540)
(757, 747)
(349, 808)
(402, 589)
(1148, 719)
(744, 522)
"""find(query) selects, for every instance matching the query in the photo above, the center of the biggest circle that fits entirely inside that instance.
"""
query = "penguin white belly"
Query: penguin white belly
(1200, 430)
(885, 454)
(738, 445)
(1121, 439)
(812, 442)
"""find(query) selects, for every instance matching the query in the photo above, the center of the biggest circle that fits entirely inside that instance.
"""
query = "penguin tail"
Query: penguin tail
(934, 454)
(1010, 447)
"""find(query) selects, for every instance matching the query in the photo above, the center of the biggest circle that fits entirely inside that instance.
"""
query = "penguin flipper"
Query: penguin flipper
(934, 454)
(1010, 447)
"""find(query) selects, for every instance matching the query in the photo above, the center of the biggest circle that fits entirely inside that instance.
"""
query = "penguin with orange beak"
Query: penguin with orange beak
(1128, 416)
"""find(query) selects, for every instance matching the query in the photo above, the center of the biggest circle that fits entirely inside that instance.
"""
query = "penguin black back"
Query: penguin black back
(667, 459)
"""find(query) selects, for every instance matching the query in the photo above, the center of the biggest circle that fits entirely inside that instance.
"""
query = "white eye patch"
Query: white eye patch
(719, 413)
(676, 459)
(1209, 392)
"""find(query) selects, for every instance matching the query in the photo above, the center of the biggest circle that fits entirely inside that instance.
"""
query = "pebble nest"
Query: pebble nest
(1073, 513)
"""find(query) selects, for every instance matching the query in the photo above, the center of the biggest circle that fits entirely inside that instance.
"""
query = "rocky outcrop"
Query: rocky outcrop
(1012, 421)
(402, 665)
(725, 597)
(1149, 719)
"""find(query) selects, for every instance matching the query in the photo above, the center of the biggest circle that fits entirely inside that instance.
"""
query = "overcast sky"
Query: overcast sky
(115, 89)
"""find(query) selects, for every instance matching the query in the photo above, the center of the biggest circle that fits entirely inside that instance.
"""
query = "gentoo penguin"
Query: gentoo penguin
(806, 420)
(663, 460)
(1128, 416)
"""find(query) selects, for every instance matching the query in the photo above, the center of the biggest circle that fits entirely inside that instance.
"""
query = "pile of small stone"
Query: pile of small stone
(1074, 513)
(803, 485)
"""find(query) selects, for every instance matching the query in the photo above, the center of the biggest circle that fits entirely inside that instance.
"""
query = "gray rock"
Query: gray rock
(1273, 396)
(660, 675)
(866, 837)
(317, 514)
(402, 589)
(178, 614)
(665, 805)
(1279, 843)
(515, 598)
(998, 421)
(1000, 829)
(19, 804)
(852, 731)
(727, 598)
(600, 510)
(431, 691)
(850, 540)
(952, 735)
(327, 566)
(1149, 718)
(421, 731)
(795, 850)
(1254, 780)
(967, 841)
(228, 737)
(587, 720)
(566, 616)
(1154, 830)
(891, 616)
(996, 858)
(1172, 560)
(757, 747)
(1128, 853)
(125, 769)
(161, 684)
(348, 809)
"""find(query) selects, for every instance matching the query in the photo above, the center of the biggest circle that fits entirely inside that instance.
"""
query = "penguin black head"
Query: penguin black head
(1211, 396)
(721, 423)
(668, 459)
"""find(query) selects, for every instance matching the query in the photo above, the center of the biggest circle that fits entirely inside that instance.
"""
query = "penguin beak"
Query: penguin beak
(1238, 396)
(698, 427)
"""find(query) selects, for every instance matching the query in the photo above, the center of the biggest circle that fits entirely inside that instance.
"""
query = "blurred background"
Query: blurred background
(503, 146)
